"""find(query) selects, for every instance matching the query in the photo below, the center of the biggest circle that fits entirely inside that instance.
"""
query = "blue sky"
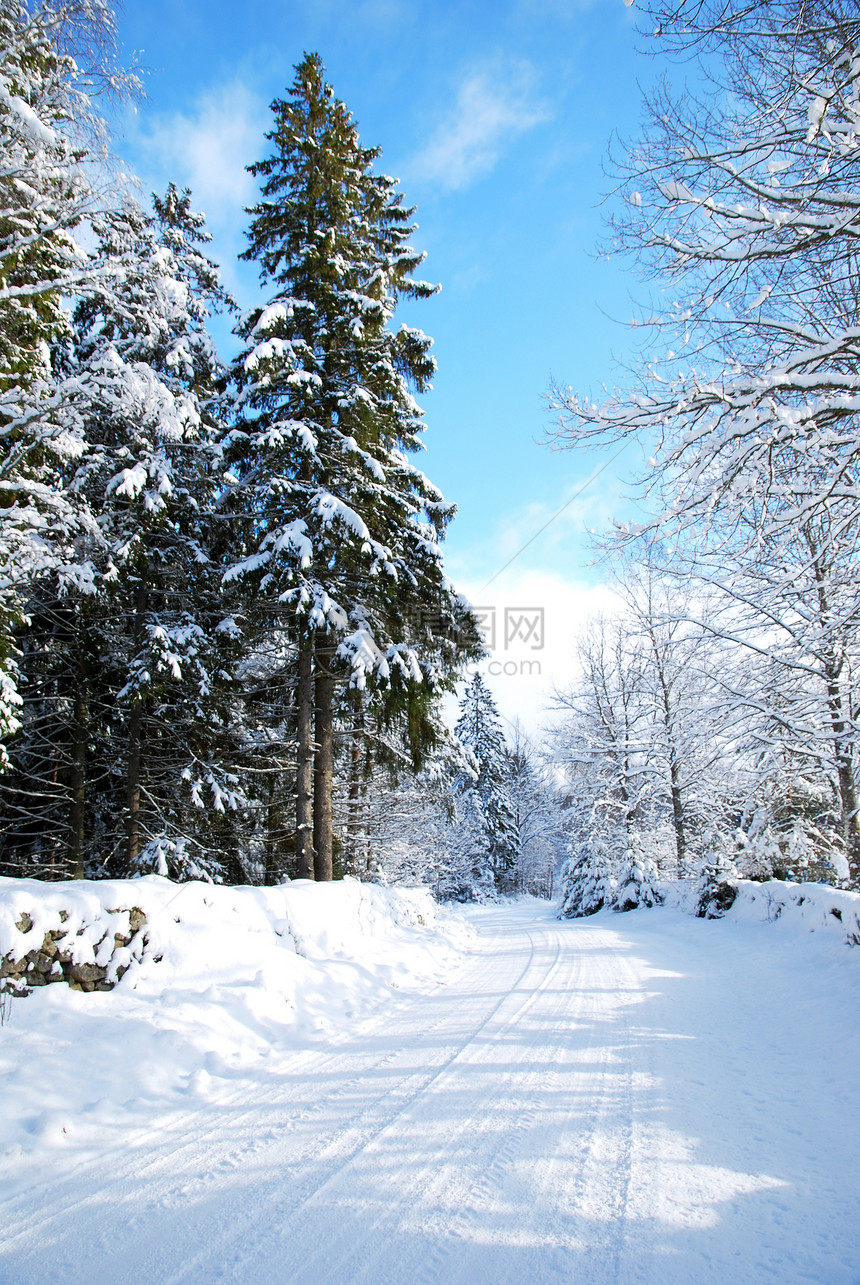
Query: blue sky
(496, 117)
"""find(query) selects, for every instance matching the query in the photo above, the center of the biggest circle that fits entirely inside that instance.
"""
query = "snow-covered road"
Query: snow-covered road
(638, 1098)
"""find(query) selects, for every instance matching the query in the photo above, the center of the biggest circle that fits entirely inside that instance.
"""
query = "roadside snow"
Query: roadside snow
(232, 981)
(800, 908)
(628, 1099)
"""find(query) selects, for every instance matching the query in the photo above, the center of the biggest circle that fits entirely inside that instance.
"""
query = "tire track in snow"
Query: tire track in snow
(183, 1135)
(335, 1265)
(472, 1089)
(279, 1210)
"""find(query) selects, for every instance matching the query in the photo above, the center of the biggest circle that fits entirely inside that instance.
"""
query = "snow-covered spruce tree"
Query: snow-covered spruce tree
(589, 878)
(48, 127)
(341, 541)
(479, 729)
(601, 748)
(122, 748)
(638, 881)
(151, 476)
(716, 888)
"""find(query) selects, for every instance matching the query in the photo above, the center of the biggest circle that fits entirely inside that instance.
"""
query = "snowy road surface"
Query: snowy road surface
(637, 1098)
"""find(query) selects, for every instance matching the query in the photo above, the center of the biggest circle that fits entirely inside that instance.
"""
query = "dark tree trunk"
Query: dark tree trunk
(305, 762)
(135, 749)
(78, 775)
(323, 769)
(355, 795)
(274, 835)
(132, 785)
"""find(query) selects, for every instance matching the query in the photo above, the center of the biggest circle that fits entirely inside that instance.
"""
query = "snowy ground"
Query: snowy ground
(636, 1098)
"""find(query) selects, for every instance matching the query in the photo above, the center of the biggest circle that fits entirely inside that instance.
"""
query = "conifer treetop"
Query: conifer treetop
(346, 527)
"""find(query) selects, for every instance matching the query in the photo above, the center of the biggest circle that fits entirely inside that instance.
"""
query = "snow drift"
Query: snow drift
(813, 906)
(216, 983)
(804, 907)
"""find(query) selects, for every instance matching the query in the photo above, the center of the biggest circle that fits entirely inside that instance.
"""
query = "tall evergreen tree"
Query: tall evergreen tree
(342, 534)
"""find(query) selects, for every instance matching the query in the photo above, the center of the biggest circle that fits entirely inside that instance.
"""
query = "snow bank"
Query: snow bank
(216, 984)
(811, 906)
(807, 907)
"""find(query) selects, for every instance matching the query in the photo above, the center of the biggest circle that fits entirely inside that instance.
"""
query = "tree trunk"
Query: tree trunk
(135, 735)
(833, 669)
(305, 762)
(355, 793)
(678, 817)
(78, 775)
(132, 786)
(849, 820)
(323, 769)
(274, 834)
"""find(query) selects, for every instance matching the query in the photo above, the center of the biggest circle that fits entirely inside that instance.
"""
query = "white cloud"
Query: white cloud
(207, 150)
(534, 618)
(494, 106)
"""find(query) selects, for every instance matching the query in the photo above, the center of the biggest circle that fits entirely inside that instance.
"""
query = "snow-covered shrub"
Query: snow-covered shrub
(716, 889)
(178, 859)
(793, 832)
(638, 884)
(588, 880)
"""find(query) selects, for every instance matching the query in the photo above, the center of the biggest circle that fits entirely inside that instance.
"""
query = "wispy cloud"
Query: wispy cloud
(495, 104)
(207, 150)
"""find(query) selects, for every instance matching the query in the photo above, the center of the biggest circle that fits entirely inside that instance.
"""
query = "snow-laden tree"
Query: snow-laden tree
(602, 743)
(638, 881)
(601, 746)
(129, 640)
(790, 606)
(341, 543)
(742, 203)
(589, 878)
(402, 825)
(479, 730)
(536, 805)
(151, 380)
(689, 722)
(651, 746)
(715, 889)
(53, 56)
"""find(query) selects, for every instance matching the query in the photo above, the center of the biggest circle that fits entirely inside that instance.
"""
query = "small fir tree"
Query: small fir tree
(479, 729)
